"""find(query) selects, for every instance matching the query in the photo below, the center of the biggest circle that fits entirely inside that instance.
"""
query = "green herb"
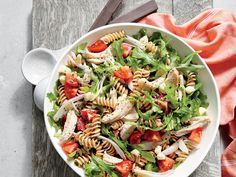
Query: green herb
(92, 170)
(104, 167)
(51, 96)
(117, 51)
(50, 115)
(72, 154)
(171, 96)
(151, 167)
(142, 32)
(80, 49)
(145, 154)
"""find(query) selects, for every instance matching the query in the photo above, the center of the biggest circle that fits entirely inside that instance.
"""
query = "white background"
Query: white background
(15, 92)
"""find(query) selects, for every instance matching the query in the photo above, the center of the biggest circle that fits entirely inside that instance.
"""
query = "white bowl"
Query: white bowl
(205, 75)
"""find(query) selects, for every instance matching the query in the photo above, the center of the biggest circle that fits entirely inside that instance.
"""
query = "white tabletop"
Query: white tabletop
(15, 92)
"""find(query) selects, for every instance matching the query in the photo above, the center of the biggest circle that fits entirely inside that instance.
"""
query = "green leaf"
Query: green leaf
(92, 170)
(142, 32)
(148, 156)
(72, 154)
(117, 51)
(50, 115)
(80, 48)
(151, 167)
(51, 96)
(104, 167)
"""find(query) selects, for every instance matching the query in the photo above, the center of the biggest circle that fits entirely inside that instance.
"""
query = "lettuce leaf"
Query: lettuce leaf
(117, 51)
(142, 32)
(80, 49)
(56, 125)
(51, 96)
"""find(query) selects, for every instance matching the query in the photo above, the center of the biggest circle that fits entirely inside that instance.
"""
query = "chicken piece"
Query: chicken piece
(195, 122)
(111, 159)
(126, 131)
(122, 109)
(132, 116)
(90, 55)
(173, 78)
(147, 85)
(69, 126)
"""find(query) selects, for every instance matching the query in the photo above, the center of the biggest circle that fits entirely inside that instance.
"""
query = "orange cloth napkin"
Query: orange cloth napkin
(214, 33)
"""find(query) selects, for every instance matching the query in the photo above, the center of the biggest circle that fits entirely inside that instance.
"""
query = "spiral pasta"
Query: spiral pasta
(105, 102)
(86, 141)
(61, 93)
(93, 129)
(150, 47)
(113, 36)
(117, 124)
(191, 79)
(74, 60)
(108, 148)
(121, 89)
(138, 160)
(82, 160)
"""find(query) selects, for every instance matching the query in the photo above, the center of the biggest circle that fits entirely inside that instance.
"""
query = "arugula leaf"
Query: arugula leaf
(172, 122)
(80, 49)
(91, 170)
(151, 167)
(142, 32)
(117, 51)
(51, 96)
(171, 96)
(155, 36)
(56, 125)
(72, 154)
(145, 154)
(104, 167)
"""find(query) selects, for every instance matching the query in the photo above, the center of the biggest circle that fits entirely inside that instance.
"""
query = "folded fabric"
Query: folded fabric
(214, 33)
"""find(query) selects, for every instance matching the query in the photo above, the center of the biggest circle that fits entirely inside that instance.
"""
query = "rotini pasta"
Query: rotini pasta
(105, 102)
(113, 36)
(74, 60)
(191, 79)
(93, 129)
(108, 148)
(61, 93)
(119, 86)
(150, 47)
(117, 124)
(82, 160)
(86, 141)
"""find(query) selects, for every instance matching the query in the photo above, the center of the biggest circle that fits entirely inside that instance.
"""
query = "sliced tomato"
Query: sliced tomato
(70, 92)
(71, 80)
(80, 124)
(127, 49)
(166, 164)
(70, 147)
(88, 114)
(135, 137)
(117, 133)
(98, 46)
(150, 135)
(124, 167)
(196, 135)
(124, 73)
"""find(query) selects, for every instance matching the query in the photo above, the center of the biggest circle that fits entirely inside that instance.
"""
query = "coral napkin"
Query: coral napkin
(214, 33)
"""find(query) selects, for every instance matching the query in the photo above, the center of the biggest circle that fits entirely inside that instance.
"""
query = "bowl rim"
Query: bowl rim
(138, 25)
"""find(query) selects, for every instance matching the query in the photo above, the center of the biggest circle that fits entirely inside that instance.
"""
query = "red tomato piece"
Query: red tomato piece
(71, 80)
(166, 164)
(97, 47)
(196, 135)
(124, 73)
(124, 167)
(135, 137)
(127, 49)
(80, 124)
(88, 114)
(70, 147)
(70, 92)
(117, 133)
(150, 135)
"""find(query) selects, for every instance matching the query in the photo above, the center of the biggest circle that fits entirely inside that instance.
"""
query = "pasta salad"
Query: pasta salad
(128, 105)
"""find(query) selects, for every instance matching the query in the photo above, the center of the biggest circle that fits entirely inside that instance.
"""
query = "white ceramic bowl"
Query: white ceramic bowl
(206, 77)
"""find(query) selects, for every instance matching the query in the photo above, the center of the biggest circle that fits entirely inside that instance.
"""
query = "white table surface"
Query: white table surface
(15, 92)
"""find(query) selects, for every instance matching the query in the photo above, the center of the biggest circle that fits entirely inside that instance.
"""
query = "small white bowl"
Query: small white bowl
(205, 75)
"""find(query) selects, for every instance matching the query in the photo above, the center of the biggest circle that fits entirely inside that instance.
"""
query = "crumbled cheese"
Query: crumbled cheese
(135, 152)
(62, 79)
(160, 155)
(189, 89)
(202, 111)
